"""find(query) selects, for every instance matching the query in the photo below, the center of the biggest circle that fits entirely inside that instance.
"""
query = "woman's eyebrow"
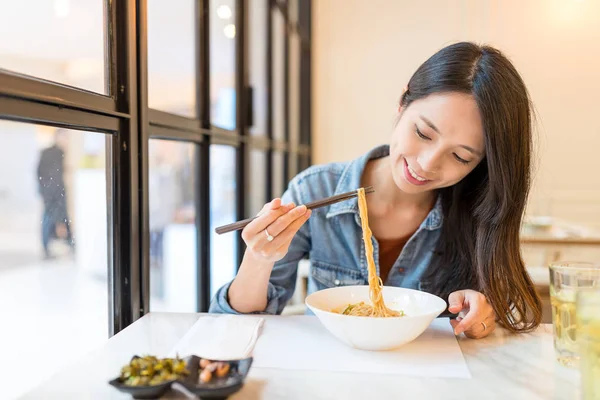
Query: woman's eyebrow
(432, 126)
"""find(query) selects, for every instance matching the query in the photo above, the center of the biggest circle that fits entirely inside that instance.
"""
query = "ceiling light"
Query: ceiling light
(224, 12)
(61, 8)
(229, 31)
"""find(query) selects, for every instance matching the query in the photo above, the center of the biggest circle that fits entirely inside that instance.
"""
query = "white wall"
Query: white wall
(365, 52)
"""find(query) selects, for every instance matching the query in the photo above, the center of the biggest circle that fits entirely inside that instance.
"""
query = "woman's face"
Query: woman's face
(437, 142)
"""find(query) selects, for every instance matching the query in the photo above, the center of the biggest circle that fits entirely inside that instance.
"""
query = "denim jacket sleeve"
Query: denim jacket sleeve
(283, 276)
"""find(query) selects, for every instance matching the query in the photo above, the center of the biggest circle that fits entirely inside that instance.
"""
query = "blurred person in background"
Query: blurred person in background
(51, 186)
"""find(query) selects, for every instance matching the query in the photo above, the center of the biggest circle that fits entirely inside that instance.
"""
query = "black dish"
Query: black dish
(142, 392)
(217, 388)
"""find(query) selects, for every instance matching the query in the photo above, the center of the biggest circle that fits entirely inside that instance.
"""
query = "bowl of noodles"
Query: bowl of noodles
(373, 316)
(347, 313)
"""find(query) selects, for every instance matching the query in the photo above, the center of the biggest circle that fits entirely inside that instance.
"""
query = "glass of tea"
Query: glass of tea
(566, 280)
(588, 337)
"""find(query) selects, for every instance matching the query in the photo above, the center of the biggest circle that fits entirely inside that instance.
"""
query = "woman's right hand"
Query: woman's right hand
(269, 236)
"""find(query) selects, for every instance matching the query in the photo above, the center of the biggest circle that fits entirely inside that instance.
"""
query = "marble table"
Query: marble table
(503, 366)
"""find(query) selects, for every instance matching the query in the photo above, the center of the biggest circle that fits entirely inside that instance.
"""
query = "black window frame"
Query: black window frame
(124, 114)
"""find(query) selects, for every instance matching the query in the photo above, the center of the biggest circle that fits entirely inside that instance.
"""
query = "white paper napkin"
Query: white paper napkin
(220, 337)
(303, 343)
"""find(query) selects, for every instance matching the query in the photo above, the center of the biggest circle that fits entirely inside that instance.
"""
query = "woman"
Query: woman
(450, 192)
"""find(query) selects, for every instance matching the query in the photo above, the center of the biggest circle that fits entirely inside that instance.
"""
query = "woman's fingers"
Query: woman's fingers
(268, 215)
(283, 240)
(281, 237)
(481, 328)
(271, 233)
(471, 318)
(273, 204)
(281, 223)
(476, 316)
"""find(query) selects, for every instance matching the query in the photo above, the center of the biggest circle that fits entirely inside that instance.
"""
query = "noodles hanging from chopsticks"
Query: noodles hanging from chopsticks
(378, 309)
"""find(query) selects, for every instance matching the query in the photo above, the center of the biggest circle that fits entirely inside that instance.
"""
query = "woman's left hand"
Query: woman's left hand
(476, 318)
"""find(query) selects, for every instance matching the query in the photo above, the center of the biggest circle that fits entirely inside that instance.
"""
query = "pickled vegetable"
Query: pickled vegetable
(150, 370)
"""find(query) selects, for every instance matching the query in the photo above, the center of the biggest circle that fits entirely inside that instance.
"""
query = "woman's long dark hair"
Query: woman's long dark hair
(479, 246)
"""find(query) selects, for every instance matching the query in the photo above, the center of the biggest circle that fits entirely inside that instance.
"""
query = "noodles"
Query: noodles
(378, 309)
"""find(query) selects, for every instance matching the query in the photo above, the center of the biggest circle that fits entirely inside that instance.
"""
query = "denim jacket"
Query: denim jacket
(332, 239)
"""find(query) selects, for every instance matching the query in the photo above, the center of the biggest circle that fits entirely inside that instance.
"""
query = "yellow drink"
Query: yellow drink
(588, 333)
(565, 329)
(567, 280)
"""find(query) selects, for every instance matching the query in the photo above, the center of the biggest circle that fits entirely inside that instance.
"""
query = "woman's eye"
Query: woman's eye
(420, 134)
(460, 160)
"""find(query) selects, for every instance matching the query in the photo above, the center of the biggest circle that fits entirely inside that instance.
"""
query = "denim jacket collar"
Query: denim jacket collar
(350, 180)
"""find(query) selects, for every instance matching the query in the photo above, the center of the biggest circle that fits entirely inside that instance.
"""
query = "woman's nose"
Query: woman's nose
(430, 161)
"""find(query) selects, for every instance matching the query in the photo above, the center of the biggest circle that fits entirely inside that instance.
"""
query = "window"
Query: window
(257, 54)
(223, 251)
(278, 174)
(292, 165)
(173, 231)
(172, 57)
(278, 65)
(223, 32)
(39, 40)
(294, 89)
(304, 163)
(293, 10)
(54, 260)
(119, 218)
(256, 187)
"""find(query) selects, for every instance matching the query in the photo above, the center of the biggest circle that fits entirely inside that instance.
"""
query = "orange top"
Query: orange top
(389, 251)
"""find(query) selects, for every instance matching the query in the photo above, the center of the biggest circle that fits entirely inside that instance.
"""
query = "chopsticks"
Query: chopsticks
(312, 205)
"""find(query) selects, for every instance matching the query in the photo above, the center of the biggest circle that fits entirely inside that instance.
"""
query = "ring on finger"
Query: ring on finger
(484, 325)
(269, 237)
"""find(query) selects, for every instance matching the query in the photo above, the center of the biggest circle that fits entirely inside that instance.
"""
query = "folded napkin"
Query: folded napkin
(220, 337)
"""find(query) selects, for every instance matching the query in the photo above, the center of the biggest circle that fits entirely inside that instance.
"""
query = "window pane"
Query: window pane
(222, 63)
(278, 60)
(294, 84)
(257, 53)
(257, 183)
(54, 264)
(173, 259)
(305, 93)
(278, 174)
(61, 40)
(303, 163)
(223, 249)
(292, 165)
(172, 57)
(293, 11)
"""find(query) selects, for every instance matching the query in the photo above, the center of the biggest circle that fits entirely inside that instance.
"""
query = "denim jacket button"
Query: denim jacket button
(337, 282)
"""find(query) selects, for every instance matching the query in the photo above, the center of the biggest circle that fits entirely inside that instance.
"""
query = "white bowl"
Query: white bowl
(369, 333)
